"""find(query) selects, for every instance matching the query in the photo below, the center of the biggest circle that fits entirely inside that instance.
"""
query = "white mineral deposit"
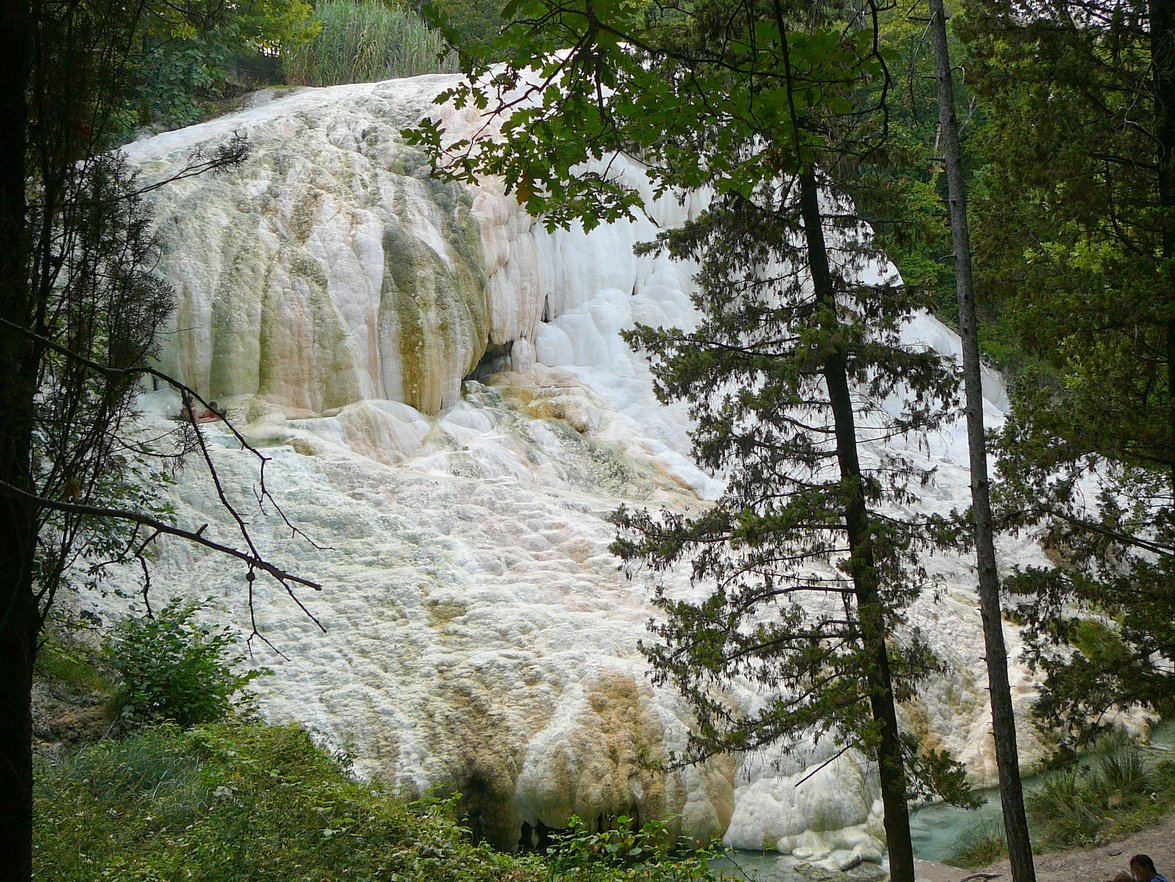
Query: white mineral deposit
(479, 635)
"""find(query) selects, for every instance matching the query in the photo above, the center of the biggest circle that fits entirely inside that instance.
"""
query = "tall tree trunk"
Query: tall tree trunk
(863, 570)
(1162, 40)
(1002, 715)
(18, 609)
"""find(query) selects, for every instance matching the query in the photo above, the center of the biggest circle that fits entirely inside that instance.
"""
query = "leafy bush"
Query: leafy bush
(237, 801)
(240, 801)
(363, 41)
(173, 668)
(194, 54)
(647, 852)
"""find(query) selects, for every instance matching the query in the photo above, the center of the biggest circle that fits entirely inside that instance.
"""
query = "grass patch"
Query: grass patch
(237, 801)
(1100, 797)
(979, 845)
(1107, 794)
(362, 41)
(70, 662)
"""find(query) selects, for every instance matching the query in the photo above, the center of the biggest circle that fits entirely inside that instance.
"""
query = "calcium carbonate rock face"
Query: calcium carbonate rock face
(332, 268)
(478, 633)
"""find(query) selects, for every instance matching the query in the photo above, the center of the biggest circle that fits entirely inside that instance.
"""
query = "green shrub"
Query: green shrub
(1108, 794)
(173, 668)
(362, 41)
(978, 846)
(241, 801)
(647, 852)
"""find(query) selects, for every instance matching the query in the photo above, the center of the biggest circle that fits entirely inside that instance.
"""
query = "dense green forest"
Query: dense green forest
(803, 119)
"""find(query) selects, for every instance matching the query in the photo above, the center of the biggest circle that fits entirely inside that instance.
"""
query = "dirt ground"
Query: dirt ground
(1079, 865)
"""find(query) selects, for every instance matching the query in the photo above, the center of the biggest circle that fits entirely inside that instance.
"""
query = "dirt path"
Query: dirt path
(1079, 865)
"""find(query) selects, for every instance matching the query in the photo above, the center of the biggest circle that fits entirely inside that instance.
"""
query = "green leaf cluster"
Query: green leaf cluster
(173, 668)
(683, 90)
(184, 56)
(1076, 240)
(625, 850)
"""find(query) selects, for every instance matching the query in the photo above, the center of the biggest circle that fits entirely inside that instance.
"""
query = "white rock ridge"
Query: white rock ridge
(479, 634)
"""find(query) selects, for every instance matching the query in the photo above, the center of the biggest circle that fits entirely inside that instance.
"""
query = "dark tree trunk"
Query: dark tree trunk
(1162, 40)
(18, 609)
(863, 570)
(1002, 715)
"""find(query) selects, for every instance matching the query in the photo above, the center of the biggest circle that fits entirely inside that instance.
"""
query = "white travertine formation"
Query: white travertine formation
(479, 634)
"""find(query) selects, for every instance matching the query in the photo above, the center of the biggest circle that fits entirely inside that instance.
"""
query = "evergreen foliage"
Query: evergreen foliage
(982, 530)
(1077, 238)
(899, 187)
(783, 613)
(806, 581)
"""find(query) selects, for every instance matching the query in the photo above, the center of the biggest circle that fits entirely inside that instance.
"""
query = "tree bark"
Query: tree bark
(1002, 714)
(863, 570)
(18, 609)
(1162, 40)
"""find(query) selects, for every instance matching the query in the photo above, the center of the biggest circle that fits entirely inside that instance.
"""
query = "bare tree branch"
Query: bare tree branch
(195, 536)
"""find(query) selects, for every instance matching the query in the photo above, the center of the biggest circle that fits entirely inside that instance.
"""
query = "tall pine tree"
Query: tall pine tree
(982, 530)
(1077, 241)
(760, 102)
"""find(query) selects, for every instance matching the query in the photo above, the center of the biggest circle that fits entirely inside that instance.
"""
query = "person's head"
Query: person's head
(1143, 868)
(1123, 877)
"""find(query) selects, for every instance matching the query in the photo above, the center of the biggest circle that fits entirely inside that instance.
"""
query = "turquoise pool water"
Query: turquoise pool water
(934, 827)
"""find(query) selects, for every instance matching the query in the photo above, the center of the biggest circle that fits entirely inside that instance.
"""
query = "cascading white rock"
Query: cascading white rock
(479, 634)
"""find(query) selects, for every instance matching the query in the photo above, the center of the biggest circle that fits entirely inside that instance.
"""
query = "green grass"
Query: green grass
(237, 801)
(363, 41)
(980, 845)
(1104, 796)
(71, 662)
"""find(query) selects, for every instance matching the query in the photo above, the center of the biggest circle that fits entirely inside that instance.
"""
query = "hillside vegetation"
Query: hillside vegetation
(247, 801)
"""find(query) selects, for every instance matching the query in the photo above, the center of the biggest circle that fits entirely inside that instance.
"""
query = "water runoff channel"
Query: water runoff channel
(935, 827)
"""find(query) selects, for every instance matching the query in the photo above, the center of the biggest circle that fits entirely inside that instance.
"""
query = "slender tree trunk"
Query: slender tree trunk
(18, 609)
(870, 611)
(1002, 715)
(1162, 40)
